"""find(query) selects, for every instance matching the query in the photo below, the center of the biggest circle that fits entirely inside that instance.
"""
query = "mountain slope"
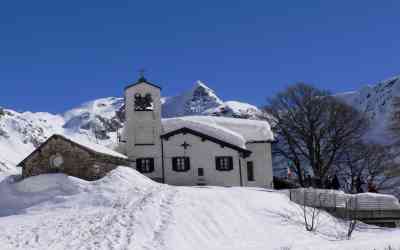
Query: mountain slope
(195, 101)
(20, 133)
(376, 101)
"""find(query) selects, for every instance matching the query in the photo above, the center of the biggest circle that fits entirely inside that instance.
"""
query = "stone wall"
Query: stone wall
(72, 160)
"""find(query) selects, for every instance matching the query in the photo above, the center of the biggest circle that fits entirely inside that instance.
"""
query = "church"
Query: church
(189, 150)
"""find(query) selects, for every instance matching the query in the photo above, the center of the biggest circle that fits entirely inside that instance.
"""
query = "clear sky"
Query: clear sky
(55, 55)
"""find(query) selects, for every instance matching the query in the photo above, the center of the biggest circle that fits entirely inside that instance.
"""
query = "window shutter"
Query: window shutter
(230, 163)
(139, 165)
(174, 163)
(187, 163)
(151, 165)
(217, 163)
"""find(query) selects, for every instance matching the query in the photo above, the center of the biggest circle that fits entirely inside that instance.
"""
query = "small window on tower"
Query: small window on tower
(145, 165)
(143, 103)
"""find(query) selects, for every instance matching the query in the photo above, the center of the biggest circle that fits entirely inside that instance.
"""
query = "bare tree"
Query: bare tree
(313, 128)
(351, 210)
(366, 165)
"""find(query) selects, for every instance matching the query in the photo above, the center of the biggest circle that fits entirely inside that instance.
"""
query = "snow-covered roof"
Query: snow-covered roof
(232, 130)
(83, 143)
(94, 147)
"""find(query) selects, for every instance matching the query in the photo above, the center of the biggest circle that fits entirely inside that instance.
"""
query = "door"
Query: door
(201, 181)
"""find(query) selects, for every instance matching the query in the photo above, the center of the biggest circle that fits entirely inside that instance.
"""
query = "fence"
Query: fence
(322, 198)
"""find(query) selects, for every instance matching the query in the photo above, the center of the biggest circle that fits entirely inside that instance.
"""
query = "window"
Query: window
(250, 171)
(200, 171)
(56, 161)
(145, 165)
(224, 163)
(180, 164)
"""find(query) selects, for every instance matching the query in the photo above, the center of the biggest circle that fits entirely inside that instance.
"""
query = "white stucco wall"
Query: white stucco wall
(262, 160)
(202, 155)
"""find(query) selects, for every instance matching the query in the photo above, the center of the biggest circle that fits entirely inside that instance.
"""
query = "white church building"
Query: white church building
(193, 150)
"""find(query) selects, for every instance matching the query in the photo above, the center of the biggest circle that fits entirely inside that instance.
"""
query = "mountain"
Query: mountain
(21, 133)
(376, 101)
(99, 121)
(202, 100)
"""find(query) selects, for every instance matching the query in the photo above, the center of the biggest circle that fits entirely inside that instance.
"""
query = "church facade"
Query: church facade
(193, 150)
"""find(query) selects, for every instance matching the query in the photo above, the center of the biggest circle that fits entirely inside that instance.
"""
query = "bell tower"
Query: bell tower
(142, 129)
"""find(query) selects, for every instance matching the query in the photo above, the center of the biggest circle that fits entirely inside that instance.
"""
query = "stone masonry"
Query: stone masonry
(71, 159)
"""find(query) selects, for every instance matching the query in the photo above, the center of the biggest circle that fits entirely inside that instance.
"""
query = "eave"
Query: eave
(246, 153)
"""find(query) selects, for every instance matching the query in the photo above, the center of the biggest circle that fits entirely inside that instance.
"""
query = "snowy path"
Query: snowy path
(114, 228)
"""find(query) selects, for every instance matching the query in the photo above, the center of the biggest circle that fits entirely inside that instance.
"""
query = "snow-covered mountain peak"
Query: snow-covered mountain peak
(195, 101)
(376, 101)
(98, 116)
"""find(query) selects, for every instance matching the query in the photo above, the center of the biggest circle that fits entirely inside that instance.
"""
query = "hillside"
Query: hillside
(127, 210)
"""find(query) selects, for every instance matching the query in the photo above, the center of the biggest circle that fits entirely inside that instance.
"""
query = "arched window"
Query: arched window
(56, 162)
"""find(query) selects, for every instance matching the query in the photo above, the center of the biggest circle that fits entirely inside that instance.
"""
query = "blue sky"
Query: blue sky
(55, 55)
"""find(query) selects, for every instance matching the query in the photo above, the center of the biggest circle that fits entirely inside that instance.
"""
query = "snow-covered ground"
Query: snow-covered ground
(125, 210)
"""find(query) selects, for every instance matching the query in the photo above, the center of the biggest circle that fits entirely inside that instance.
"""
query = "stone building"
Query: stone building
(85, 160)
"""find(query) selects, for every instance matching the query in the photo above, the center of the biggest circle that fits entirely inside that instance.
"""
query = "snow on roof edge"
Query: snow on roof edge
(93, 146)
(233, 130)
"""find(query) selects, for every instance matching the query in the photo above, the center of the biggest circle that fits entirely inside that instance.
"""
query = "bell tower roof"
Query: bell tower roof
(142, 80)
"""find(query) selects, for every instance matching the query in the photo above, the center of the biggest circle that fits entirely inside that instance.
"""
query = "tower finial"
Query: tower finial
(141, 75)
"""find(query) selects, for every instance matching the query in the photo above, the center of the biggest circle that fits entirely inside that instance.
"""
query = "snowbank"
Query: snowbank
(17, 196)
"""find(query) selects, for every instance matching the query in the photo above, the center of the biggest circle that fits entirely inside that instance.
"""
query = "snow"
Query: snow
(376, 102)
(20, 133)
(126, 210)
(235, 109)
(210, 129)
(233, 130)
(192, 102)
(94, 146)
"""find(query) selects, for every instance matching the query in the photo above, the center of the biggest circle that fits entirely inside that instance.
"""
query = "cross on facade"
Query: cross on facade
(185, 145)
